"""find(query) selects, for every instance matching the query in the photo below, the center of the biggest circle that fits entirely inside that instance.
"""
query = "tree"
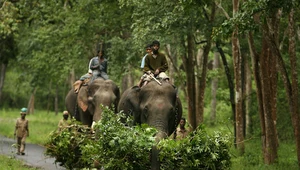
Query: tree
(237, 59)
(9, 18)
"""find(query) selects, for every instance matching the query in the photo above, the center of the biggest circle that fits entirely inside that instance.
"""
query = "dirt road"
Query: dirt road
(34, 154)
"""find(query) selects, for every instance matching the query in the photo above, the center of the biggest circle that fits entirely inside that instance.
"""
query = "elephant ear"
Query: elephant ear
(82, 98)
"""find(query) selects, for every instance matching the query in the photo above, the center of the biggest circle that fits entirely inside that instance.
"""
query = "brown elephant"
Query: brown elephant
(85, 106)
(156, 105)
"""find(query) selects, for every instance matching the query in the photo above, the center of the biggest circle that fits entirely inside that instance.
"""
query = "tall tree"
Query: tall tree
(9, 18)
(237, 59)
(294, 93)
(201, 81)
(214, 87)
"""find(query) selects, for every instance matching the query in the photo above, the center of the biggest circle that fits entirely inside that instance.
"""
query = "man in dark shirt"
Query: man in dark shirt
(155, 64)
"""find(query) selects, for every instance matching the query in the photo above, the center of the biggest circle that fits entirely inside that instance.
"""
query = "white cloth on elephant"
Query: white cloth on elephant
(148, 77)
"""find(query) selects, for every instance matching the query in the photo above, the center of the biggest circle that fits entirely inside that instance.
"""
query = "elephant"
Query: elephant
(155, 105)
(85, 106)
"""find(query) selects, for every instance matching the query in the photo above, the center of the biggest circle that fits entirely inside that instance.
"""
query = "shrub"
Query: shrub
(197, 151)
(118, 146)
(114, 145)
(65, 145)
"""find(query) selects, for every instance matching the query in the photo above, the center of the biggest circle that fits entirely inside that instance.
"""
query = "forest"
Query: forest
(235, 59)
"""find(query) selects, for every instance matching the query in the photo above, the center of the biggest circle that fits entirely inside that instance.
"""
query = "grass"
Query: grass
(42, 123)
(13, 164)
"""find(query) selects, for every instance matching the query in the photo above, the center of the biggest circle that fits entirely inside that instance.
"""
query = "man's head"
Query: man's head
(148, 48)
(65, 114)
(23, 112)
(155, 46)
(182, 122)
(100, 53)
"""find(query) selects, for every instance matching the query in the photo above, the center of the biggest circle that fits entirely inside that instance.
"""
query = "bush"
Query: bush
(65, 145)
(116, 146)
(196, 151)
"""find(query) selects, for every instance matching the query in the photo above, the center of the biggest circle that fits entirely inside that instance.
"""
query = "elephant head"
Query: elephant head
(156, 105)
(89, 98)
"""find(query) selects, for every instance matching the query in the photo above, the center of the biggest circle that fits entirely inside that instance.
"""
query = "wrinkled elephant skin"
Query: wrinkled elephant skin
(85, 106)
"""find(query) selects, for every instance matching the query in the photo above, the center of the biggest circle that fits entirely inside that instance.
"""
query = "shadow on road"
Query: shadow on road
(34, 154)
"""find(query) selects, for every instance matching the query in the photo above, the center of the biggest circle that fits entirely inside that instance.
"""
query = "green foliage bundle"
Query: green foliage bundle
(118, 146)
(197, 151)
(114, 145)
(65, 145)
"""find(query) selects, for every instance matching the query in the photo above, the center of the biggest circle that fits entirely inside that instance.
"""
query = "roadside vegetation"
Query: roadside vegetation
(42, 124)
(14, 164)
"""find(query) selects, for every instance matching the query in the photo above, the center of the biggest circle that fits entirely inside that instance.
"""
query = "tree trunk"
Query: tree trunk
(267, 60)
(265, 74)
(295, 90)
(230, 85)
(201, 86)
(239, 117)
(173, 68)
(127, 82)
(248, 91)
(259, 92)
(243, 88)
(30, 105)
(214, 88)
(171, 62)
(237, 59)
(72, 78)
(56, 100)
(190, 71)
(2, 78)
(49, 96)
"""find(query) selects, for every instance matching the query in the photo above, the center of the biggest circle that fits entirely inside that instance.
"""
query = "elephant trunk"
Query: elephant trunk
(155, 163)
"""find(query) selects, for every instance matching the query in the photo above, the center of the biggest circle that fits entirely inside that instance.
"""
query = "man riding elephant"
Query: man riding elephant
(98, 65)
(96, 70)
(155, 65)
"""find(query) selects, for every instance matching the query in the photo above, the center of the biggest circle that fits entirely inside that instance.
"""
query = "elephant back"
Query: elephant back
(154, 89)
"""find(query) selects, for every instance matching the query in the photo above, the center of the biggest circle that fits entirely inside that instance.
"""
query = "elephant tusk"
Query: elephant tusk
(92, 127)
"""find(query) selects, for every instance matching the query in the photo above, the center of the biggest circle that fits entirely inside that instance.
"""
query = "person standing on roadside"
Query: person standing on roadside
(21, 131)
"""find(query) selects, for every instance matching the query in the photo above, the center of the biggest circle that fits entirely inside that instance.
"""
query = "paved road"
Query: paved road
(34, 154)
